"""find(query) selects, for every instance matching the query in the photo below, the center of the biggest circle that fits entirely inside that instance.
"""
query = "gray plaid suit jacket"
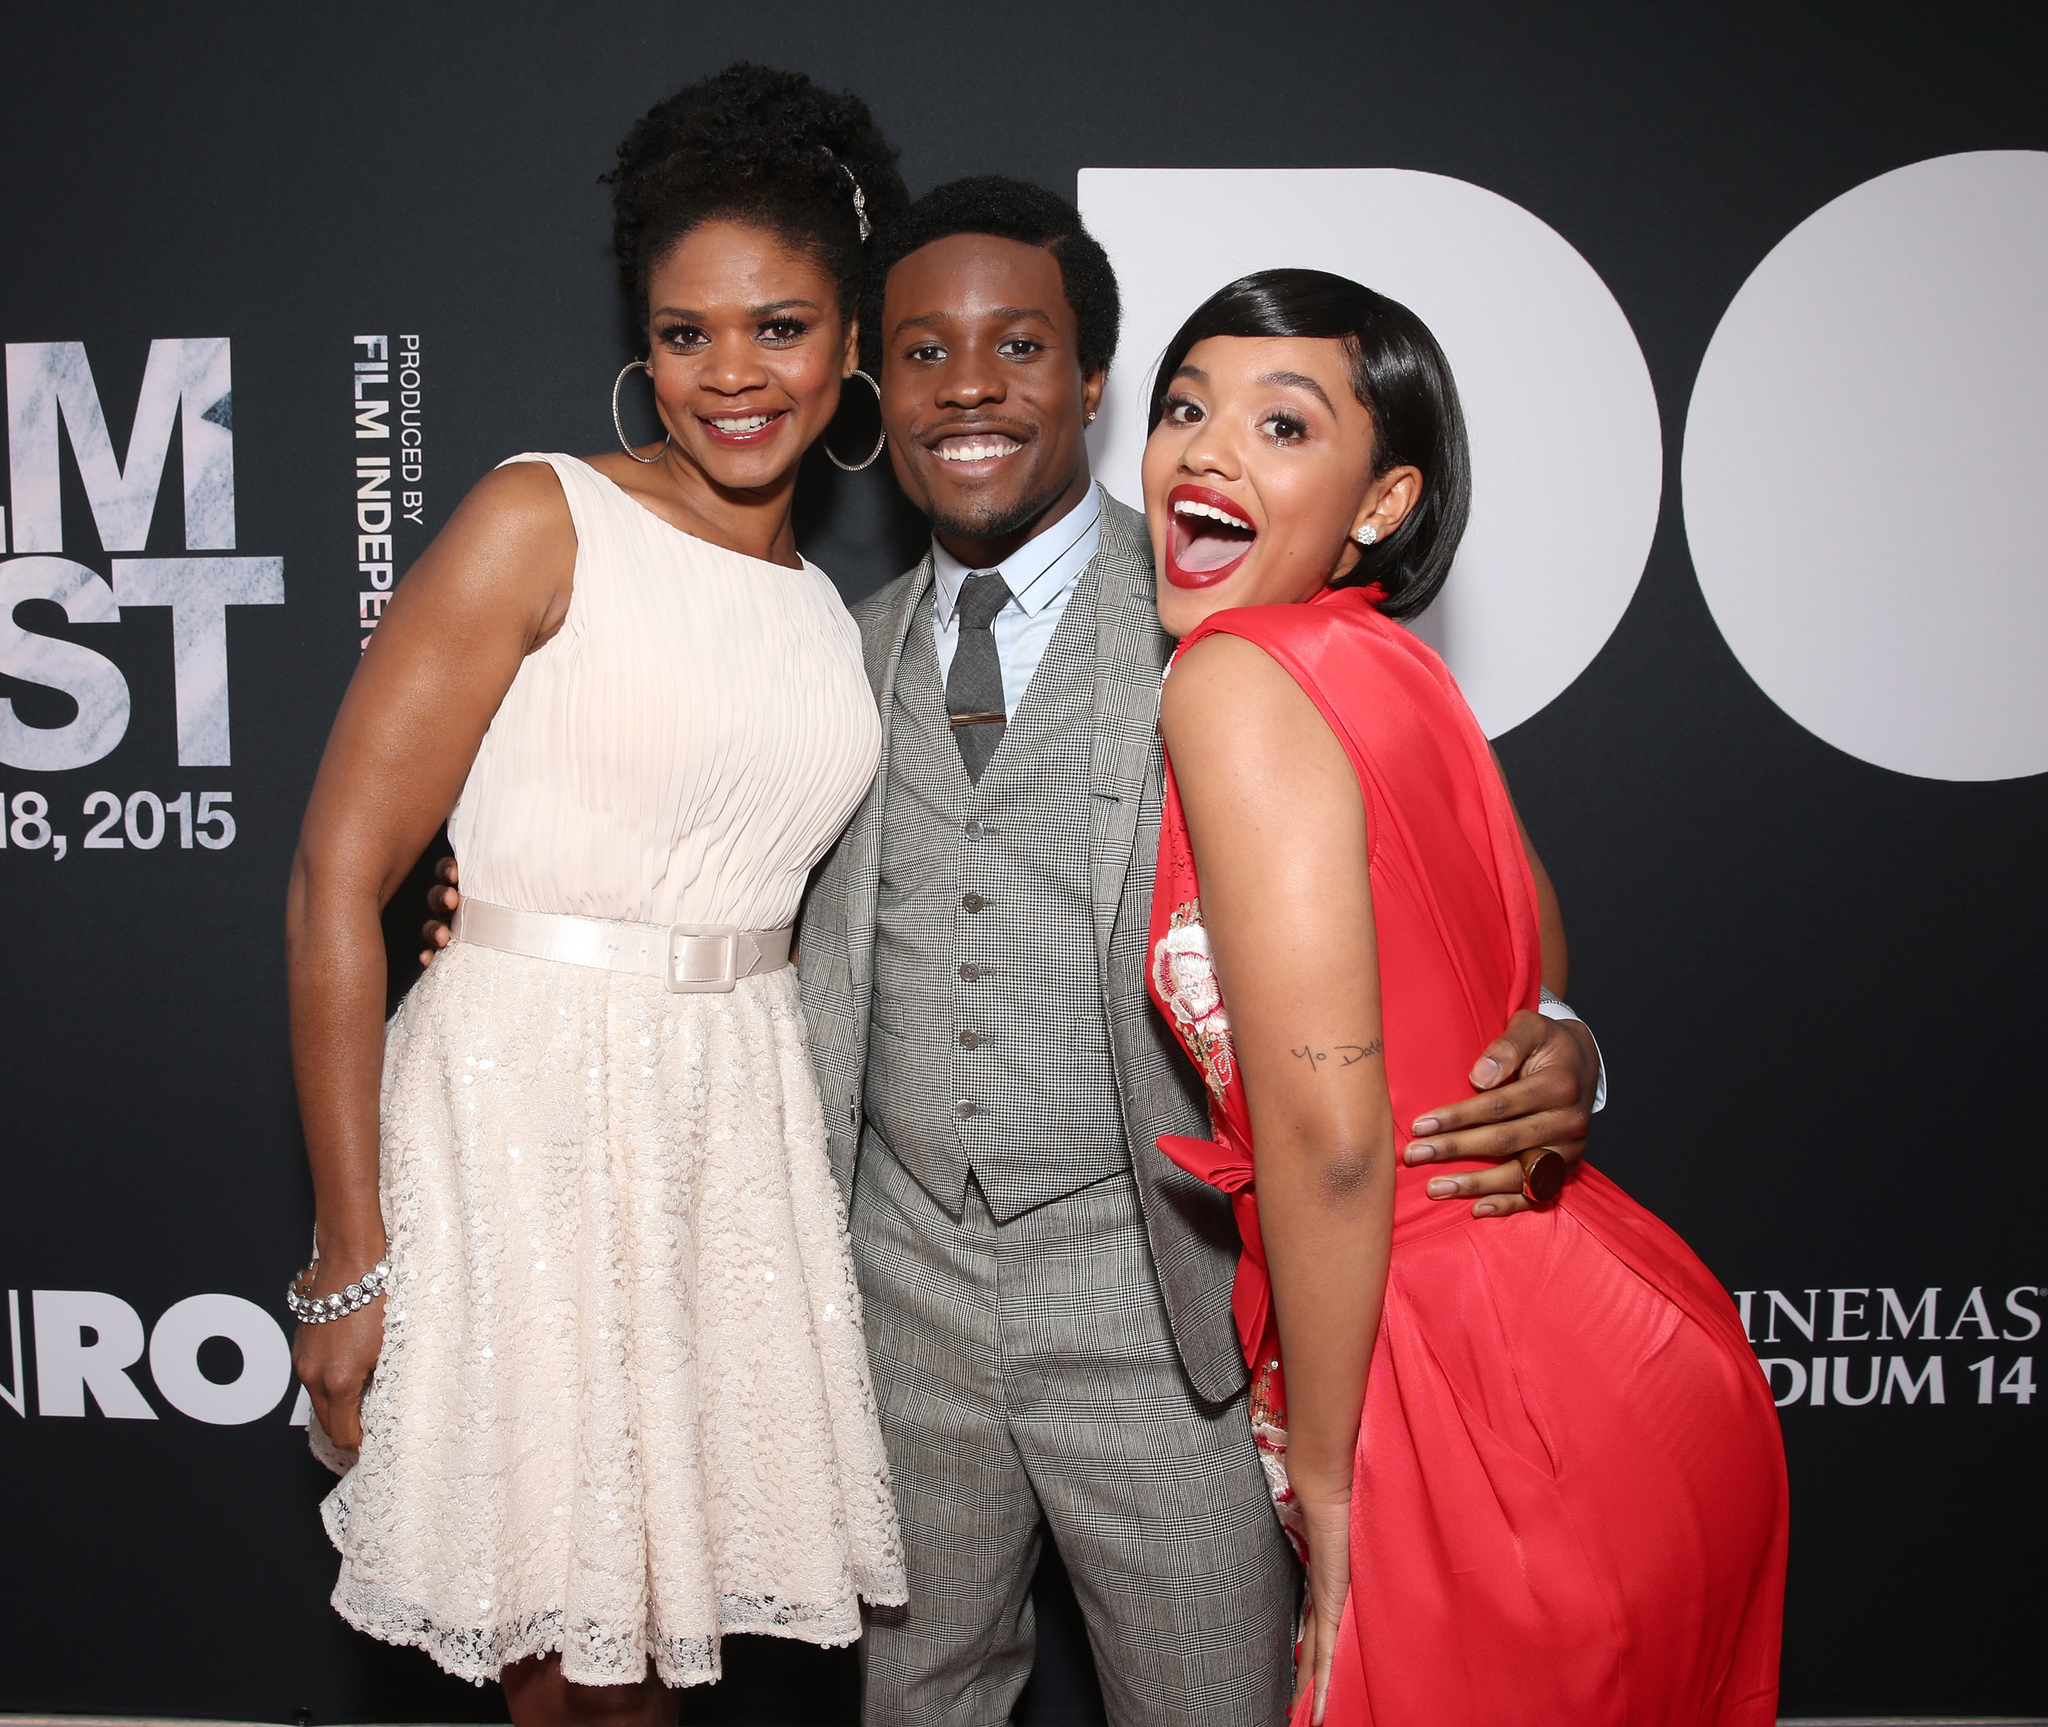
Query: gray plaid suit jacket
(1194, 1242)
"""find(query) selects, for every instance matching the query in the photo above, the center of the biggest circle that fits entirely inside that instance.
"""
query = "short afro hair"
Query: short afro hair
(1010, 210)
(755, 145)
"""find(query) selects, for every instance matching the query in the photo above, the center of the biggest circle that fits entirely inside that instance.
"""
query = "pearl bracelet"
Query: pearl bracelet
(317, 1310)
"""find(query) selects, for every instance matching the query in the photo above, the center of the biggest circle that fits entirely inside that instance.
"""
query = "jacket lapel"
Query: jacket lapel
(1130, 658)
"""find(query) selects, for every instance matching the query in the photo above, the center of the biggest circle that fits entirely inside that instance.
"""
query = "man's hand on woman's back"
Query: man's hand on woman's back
(1536, 1084)
(442, 899)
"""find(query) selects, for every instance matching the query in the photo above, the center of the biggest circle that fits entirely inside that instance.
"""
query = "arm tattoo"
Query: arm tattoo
(1348, 1054)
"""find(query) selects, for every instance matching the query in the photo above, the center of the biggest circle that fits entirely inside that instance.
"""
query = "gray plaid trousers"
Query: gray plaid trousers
(1028, 1379)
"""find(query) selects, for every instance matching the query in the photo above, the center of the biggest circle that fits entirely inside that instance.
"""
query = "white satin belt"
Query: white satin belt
(690, 958)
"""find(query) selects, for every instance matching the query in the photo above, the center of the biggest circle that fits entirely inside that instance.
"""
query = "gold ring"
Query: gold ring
(1543, 1176)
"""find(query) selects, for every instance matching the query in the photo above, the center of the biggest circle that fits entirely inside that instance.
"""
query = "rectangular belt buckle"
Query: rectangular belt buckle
(703, 958)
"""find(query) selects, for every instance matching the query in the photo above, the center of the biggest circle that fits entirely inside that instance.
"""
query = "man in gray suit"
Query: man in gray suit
(1047, 1297)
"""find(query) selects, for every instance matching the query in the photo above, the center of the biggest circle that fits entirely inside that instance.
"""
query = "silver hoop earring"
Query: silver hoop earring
(619, 425)
(881, 437)
(1366, 535)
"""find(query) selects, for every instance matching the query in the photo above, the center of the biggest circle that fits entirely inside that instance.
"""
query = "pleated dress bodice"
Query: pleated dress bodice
(688, 744)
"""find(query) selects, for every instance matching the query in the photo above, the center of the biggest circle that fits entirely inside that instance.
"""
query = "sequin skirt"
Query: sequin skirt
(623, 1405)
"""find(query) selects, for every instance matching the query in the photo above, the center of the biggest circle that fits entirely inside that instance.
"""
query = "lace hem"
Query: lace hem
(622, 1345)
(481, 1653)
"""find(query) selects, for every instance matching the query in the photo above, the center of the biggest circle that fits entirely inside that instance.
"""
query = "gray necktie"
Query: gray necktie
(974, 687)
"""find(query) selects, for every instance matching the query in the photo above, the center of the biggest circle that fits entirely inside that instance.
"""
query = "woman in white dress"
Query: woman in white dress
(582, 1327)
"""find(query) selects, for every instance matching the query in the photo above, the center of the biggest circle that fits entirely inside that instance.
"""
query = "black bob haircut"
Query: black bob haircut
(755, 145)
(1009, 210)
(1400, 375)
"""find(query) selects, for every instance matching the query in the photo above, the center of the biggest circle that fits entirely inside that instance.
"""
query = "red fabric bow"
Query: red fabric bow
(1227, 1166)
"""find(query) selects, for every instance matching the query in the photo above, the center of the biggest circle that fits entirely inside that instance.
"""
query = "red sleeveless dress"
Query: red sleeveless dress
(1569, 1497)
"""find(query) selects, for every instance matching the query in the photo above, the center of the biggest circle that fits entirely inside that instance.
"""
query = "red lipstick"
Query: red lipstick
(1207, 537)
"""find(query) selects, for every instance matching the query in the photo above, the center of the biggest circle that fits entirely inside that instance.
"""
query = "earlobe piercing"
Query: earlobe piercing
(1366, 535)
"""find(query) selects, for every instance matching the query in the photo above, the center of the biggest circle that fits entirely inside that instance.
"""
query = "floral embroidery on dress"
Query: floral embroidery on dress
(1184, 974)
(1268, 1410)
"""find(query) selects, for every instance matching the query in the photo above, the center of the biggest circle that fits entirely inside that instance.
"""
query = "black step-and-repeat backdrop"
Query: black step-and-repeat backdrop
(1750, 305)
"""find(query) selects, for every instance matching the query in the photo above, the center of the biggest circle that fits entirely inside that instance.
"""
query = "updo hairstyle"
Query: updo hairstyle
(1404, 382)
(751, 144)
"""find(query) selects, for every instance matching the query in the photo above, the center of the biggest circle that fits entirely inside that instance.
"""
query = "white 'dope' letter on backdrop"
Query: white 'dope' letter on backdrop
(1866, 470)
(1545, 359)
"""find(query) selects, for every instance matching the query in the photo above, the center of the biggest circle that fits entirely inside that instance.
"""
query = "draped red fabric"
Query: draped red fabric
(1569, 1497)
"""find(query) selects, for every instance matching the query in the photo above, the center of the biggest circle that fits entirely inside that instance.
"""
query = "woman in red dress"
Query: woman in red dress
(1534, 1468)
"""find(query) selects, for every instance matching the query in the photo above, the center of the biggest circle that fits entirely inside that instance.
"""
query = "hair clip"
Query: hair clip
(860, 198)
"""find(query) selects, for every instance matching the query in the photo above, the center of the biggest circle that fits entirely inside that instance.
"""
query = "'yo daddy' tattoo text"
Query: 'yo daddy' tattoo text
(1347, 1054)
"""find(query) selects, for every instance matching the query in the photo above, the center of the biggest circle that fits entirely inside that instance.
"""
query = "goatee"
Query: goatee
(991, 522)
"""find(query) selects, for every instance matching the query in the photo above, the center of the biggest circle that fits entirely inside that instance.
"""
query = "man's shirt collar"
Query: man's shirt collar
(1040, 570)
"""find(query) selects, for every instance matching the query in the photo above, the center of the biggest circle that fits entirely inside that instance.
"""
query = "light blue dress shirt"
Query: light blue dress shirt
(1042, 574)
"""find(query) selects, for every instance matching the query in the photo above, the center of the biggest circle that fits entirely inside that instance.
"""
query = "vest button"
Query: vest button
(970, 971)
(972, 901)
(970, 1040)
(963, 1110)
(974, 830)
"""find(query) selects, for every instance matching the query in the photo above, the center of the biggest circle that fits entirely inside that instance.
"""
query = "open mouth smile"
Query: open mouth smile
(977, 450)
(741, 431)
(1207, 537)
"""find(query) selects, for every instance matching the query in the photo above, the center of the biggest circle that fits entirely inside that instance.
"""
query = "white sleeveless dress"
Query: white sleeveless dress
(623, 1404)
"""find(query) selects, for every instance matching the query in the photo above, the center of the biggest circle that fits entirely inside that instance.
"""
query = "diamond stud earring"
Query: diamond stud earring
(1366, 535)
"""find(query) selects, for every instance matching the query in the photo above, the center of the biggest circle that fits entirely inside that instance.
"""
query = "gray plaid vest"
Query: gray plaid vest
(1194, 1242)
(988, 1048)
